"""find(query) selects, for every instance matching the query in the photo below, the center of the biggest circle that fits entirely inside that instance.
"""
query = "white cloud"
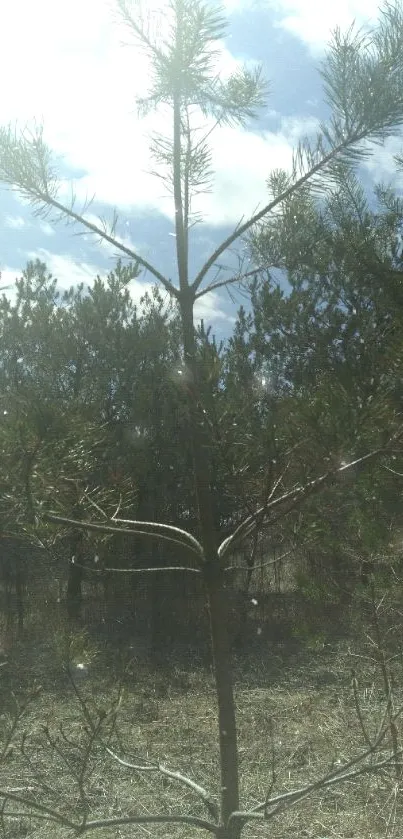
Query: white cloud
(241, 159)
(381, 164)
(103, 244)
(293, 128)
(77, 76)
(138, 288)
(15, 222)
(46, 228)
(210, 309)
(8, 276)
(67, 270)
(20, 223)
(313, 21)
(83, 83)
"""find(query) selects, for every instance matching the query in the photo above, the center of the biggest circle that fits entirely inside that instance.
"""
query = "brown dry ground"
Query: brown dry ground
(296, 716)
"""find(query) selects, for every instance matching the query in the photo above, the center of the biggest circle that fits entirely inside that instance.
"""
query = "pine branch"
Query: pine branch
(243, 228)
(26, 164)
(295, 495)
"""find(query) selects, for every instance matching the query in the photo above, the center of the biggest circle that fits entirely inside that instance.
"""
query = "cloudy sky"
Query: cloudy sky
(63, 62)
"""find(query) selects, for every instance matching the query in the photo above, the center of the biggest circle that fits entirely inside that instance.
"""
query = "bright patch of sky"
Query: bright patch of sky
(73, 72)
(313, 22)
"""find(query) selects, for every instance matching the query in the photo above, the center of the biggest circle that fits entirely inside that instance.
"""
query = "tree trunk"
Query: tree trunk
(19, 592)
(214, 581)
(74, 592)
(75, 578)
(159, 629)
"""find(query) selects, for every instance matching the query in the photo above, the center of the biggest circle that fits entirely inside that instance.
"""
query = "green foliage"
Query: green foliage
(86, 379)
(329, 349)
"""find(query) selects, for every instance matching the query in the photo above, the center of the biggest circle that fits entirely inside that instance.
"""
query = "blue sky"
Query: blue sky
(69, 69)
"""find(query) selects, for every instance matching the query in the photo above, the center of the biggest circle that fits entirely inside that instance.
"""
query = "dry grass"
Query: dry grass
(295, 712)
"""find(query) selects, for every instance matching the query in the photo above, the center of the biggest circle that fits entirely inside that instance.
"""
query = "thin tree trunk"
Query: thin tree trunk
(74, 593)
(214, 582)
(19, 592)
(75, 578)
(213, 575)
(159, 628)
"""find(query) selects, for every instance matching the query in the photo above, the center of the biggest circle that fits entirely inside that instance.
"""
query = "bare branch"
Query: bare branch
(170, 288)
(169, 773)
(147, 767)
(393, 471)
(26, 164)
(231, 281)
(167, 528)
(334, 776)
(268, 564)
(109, 569)
(295, 796)
(44, 812)
(202, 824)
(36, 806)
(143, 529)
(359, 713)
(338, 775)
